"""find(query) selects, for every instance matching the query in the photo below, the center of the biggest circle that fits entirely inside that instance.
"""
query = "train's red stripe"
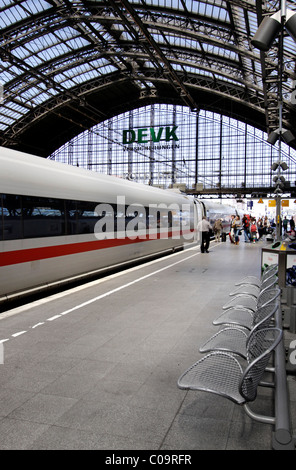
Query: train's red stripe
(34, 254)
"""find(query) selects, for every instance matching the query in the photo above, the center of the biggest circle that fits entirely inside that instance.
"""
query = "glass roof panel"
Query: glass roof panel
(11, 113)
(13, 12)
(57, 41)
(17, 108)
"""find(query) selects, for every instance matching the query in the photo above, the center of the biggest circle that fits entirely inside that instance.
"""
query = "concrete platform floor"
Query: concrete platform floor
(97, 367)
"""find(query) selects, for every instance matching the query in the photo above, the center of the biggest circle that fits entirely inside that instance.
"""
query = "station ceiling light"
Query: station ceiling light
(275, 165)
(270, 26)
(286, 135)
(290, 24)
(268, 29)
(278, 179)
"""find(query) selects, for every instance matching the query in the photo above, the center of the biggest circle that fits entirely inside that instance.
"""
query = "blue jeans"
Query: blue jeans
(247, 235)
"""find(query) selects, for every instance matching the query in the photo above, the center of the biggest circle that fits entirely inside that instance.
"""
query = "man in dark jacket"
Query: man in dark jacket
(204, 227)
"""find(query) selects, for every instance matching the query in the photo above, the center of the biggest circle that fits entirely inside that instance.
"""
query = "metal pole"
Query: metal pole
(280, 101)
(278, 218)
(282, 438)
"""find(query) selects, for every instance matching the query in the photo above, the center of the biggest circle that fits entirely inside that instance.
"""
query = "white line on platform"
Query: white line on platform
(95, 299)
(19, 333)
(50, 298)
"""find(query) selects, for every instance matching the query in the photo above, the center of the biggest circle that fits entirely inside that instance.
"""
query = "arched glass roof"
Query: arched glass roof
(225, 156)
(68, 65)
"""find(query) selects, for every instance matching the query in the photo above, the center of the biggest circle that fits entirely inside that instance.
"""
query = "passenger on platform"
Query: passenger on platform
(285, 225)
(292, 224)
(254, 231)
(237, 227)
(260, 227)
(204, 227)
(218, 227)
(265, 225)
(231, 233)
(246, 227)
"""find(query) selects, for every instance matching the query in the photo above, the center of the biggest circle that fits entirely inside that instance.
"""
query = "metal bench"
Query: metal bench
(250, 289)
(253, 280)
(239, 356)
(221, 373)
(243, 314)
(249, 302)
(235, 338)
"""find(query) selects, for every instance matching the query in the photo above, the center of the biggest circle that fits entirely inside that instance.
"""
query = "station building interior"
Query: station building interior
(176, 94)
(76, 75)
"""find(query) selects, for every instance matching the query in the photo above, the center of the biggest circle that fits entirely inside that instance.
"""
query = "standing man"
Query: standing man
(246, 227)
(204, 227)
(285, 225)
(292, 224)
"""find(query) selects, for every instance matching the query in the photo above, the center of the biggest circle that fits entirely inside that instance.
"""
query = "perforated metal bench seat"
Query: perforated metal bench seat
(218, 373)
(235, 338)
(230, 339)
(254, 280)
(236, 316)
(246, 289)
(243, 315)
(242, 301)
(250, 302)
(221, 372)
(249, 289)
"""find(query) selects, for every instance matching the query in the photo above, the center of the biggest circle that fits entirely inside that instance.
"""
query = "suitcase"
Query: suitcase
(223, 237)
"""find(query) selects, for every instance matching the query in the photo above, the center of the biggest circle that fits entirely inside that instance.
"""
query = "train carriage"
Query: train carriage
(60, 222)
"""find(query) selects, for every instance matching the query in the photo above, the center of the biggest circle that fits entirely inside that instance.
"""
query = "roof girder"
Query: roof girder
(132, 38)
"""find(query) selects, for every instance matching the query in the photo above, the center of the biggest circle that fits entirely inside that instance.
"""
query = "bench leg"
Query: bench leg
(257, 417)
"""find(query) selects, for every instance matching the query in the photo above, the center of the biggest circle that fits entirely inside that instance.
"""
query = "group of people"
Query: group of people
(288, 226)
(253, 229)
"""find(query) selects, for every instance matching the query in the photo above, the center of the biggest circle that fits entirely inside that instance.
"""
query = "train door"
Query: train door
(198, 209)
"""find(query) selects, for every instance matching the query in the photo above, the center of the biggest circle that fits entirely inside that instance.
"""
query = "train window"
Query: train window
(43, 217)
(136, 221)
(81, 217)
(185, 219)
(120, 223)
(12, 227)
(90, 217)
(31, 217)
(161, 218)
(71, 217)
(176, 218)
(106, 216)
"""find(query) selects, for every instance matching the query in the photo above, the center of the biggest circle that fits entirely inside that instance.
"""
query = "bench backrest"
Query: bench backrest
(272, 269)
(263, 315)
(260, 347)
(268, 296)
(269, 282)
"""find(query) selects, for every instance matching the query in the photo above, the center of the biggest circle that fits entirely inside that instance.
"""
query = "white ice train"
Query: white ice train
(60, 223)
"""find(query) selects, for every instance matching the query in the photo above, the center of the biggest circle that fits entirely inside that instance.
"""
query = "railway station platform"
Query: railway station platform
(96, 367)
